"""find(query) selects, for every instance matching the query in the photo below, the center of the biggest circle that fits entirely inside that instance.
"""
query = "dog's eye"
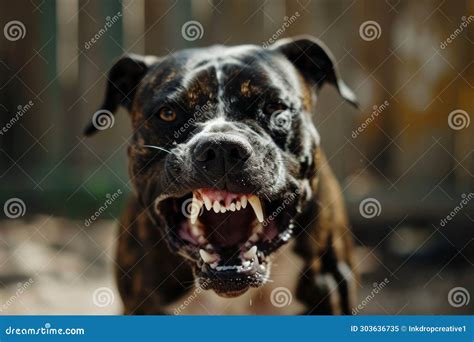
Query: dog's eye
(273, 107)
(167, 114)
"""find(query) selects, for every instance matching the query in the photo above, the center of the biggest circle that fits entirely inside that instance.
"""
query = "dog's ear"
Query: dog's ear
(122, 82)
(313, 59)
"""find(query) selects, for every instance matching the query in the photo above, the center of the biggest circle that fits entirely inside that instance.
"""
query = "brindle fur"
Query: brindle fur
(149, 275)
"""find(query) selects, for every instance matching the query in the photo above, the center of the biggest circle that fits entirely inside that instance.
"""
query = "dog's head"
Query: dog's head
(223, 149)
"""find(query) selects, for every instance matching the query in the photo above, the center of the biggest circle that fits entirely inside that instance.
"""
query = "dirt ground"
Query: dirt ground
(52, 265)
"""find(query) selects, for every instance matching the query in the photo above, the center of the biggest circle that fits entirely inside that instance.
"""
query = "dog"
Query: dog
(229, 179)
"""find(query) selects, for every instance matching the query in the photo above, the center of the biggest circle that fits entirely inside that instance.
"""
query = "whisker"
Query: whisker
(158, 148)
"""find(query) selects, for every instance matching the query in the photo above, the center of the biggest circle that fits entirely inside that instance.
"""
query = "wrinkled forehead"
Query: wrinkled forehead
(218, 72)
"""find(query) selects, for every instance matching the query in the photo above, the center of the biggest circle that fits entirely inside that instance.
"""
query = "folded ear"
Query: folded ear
(122, 82)
(313, 59)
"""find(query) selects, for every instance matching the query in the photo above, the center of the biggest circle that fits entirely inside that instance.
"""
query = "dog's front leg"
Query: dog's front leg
(149, 276)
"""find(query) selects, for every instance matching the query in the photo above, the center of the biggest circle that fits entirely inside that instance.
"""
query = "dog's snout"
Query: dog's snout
(219, 155)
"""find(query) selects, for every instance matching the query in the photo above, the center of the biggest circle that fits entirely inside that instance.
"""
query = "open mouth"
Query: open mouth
(229, 236)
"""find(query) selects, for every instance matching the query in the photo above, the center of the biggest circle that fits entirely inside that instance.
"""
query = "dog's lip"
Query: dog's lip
(188, 240)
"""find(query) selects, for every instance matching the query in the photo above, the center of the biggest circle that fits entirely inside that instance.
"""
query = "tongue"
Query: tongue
(228, 229)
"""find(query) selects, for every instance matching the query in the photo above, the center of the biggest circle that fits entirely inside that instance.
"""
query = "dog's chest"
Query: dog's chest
(277, 297)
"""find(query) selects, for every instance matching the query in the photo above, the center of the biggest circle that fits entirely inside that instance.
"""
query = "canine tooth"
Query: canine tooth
(195, 209)
(243, 201)
(253, 238)
(216, 207)
(207, 257)
(257, 207)
(238, 205)
(257, 228)
(195, 230)
(251, 253)
(232, 206)
(207, 202)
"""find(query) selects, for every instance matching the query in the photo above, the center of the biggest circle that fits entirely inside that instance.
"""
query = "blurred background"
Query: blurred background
(404, 160)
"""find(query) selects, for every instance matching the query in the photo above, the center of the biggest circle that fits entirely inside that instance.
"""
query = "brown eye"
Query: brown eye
(273, 107)
(167, 114)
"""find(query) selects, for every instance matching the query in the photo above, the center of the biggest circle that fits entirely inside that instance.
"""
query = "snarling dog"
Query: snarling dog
(228, 178)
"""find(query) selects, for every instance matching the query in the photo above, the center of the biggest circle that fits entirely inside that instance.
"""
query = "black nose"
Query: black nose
(218, 156)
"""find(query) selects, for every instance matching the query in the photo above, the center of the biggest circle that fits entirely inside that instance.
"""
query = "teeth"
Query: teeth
(196, 206)
(207, 202)
(223, 209)
(207, 257)
(195, 230)
(243, 200)
(238, 205)
(216, 207)
(251, 253)
(232, 206)
(257, 207)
